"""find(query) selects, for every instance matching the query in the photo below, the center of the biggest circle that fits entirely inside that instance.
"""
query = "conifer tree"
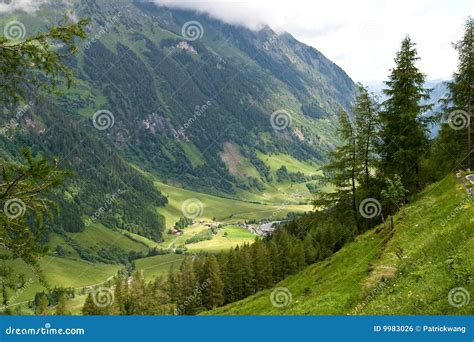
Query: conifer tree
(232, 282)
(31, 66)
(342, 171)
(43, 303)
(89, 307)
(275, 260)
(61, 308)
(248, 274)
(119, 295)
(173, 288)
(188, 301)
(139, 299)
(262, 265)
(366, 122)
(212, 286)
(310, 251)
(453, 148)
(160, 304)
(404, 129)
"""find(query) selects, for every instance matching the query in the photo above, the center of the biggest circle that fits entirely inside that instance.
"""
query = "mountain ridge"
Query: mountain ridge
(172, 105)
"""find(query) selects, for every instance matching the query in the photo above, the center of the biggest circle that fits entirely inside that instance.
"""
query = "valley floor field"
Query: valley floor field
(69, 270)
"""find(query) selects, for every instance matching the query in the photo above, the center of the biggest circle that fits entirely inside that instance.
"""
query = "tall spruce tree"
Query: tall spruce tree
(212, 286)
(453, 148)
(189, 298)
(404, 129)
(262, 265)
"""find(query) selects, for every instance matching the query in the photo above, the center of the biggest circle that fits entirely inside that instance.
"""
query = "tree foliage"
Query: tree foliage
(37, 63)
(404, 138)
(29, 66)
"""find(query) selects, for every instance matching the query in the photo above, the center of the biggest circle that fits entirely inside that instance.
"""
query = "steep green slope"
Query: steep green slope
(158, 265)
(59, 272)
(410, 270)
(138, 65)
(98, 243)
(196, 114)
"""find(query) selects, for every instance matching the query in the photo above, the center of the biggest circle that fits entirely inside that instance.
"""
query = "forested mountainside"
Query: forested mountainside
(151, 93)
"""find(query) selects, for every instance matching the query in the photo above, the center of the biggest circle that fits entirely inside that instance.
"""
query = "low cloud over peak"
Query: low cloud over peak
(360, 36)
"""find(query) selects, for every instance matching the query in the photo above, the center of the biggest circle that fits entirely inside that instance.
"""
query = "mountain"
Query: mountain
(422, 267)
(206, 112)
(438, 92)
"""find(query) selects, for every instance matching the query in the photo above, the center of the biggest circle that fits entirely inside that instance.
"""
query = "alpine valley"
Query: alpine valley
(191, 121)
(159, 161)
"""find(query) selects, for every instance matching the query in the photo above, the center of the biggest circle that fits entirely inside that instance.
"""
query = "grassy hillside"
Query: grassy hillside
(223, 209)
(410, 270)
(98, 243)
(62, 272)
(158, 265)
(224, 239)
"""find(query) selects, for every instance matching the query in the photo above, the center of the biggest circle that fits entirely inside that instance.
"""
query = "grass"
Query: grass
(61, 272)
(236, 163)
(71, 271)
(233, 236)
(275, 161)
(192, 153)
(97, 236)
(158, 265)
(222, 209)
(410, 270)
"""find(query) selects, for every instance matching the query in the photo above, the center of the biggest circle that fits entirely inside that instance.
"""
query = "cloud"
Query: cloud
(360, 36)
(29, 6)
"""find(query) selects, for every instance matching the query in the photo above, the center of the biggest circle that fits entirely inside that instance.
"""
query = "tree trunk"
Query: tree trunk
(367, 145)
(469, 133)
(353, 180)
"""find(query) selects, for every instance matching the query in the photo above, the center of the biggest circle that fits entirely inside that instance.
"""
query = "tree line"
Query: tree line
(206, 281)
(386, 155)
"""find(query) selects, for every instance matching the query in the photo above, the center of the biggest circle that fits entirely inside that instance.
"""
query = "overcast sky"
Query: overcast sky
(361, 36)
